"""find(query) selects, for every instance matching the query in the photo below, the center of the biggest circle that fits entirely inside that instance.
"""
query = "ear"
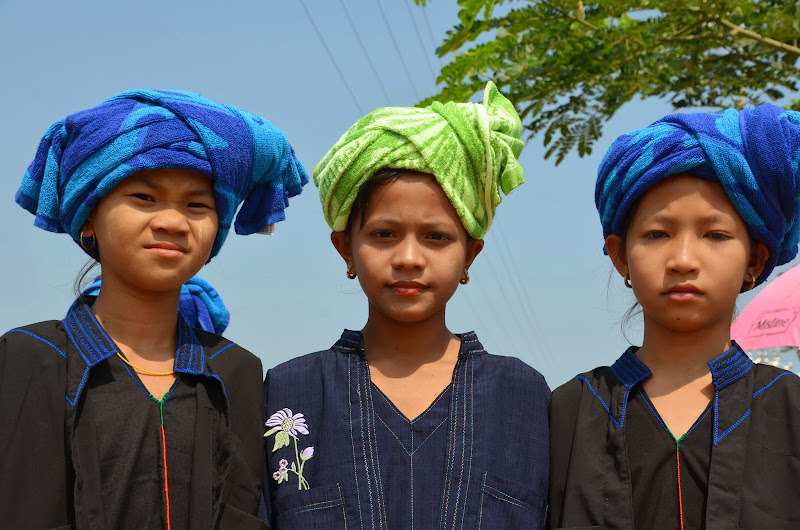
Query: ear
(758, 259)
(342, 245)
(88, 227)
(474, 248)
(616, 251)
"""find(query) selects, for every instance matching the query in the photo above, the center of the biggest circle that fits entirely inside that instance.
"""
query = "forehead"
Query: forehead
(412, 194)
(686, 195)
(170, 179)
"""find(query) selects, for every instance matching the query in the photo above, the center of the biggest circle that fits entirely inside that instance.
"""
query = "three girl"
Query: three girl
(121, 415)
(686, 431)
(405, 424)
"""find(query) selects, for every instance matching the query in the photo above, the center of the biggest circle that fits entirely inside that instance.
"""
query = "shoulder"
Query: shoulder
(512, 371)
(320, 362)
(223, 355)
(599, 381)
(775, 384)
(45, 340)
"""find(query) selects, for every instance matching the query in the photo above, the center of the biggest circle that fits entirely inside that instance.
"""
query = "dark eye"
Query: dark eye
(718, 236)
(382, 234)
(438, 236)
(655, 234)
(200, 205)
(142, 197)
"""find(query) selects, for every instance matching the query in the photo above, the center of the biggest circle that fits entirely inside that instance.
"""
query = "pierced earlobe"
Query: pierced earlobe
(751, 283)
(464, 278)
(351, 274)
(627, 280)
(81, 239)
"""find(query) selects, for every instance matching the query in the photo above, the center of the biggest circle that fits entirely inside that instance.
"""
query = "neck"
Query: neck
(391, 343)
(138, 321)
(683, 356)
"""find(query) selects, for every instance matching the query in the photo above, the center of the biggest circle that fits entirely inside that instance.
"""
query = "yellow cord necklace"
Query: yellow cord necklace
(142, 370)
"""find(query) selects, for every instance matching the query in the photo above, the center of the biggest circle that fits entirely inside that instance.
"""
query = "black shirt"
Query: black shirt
(67, 405)
(611, 467)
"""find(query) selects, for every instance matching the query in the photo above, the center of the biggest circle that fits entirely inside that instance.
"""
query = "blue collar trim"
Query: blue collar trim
(629, 369)
(94, 345)
(729, 367)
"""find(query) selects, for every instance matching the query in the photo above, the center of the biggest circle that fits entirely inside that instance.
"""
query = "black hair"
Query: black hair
(360, 204)
(85, 277)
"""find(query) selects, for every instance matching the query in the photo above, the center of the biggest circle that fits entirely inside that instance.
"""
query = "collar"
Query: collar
(726, 368)
(730, 366)
(94, 345)
(353, 342)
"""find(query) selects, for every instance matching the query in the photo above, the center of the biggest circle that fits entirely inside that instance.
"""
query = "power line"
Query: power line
(364, 49)
(397, 48)
(430, 33)
(419, 40)
(331, 57)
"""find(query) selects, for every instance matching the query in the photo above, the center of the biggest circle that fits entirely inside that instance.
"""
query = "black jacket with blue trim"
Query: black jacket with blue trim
(754, 474)
(49, 474)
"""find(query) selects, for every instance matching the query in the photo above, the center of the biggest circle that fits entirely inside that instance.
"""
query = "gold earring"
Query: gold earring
(81, 237)
(350, 273)
(751, 284)
(465, 278)
(628, 280)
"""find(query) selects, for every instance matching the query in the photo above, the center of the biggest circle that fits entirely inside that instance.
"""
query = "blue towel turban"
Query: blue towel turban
(200, 305)
(753, 153)
(82, 157)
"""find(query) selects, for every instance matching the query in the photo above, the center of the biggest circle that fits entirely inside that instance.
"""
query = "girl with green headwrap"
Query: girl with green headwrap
(405, 424)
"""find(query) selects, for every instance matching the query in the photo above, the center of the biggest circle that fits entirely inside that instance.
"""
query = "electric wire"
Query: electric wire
(419, 40)
(430, 34)
(524, 297)
(331, 57)
(397, 48)
(364, 49)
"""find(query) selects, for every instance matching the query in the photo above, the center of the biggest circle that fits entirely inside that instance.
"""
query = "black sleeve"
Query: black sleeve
(563, 409)
(35, 472)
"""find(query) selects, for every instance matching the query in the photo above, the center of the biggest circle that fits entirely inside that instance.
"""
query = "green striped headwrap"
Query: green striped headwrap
(470, 148)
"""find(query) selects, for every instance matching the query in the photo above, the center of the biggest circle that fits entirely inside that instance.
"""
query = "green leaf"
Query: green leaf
(281, 440)
(271, 431)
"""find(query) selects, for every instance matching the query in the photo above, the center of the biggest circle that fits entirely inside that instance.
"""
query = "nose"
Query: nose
(408, 254)
(683, 258)
(170, 220)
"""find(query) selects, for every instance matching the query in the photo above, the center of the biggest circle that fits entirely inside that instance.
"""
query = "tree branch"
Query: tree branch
(759, 38)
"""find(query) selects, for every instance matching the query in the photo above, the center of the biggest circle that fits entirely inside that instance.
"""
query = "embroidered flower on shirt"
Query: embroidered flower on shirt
(286, 426)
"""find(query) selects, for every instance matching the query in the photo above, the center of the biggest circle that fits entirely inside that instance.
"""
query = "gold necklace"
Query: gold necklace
(142, 370)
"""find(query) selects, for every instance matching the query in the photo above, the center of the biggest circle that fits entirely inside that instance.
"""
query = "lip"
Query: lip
(167, 250)
(407, 288)
(683, 292)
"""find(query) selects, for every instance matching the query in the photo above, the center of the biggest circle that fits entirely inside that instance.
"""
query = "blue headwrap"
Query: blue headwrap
(753, 153)
(200, 304)
(83, 156)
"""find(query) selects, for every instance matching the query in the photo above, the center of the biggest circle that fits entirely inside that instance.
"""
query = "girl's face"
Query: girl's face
(410, 251)
(155, 229)
(688, 254)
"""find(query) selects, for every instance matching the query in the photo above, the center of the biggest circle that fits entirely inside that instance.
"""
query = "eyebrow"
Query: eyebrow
(708, 219)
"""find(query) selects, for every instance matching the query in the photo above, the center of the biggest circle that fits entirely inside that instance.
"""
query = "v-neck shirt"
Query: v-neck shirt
(131, 452)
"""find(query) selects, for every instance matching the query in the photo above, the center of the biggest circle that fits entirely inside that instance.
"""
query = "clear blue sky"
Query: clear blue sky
(539, 291)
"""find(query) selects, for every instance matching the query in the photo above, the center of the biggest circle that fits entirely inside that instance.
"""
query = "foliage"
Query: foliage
(570, 67)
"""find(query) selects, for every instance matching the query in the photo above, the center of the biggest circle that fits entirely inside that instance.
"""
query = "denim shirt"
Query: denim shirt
(326, 448)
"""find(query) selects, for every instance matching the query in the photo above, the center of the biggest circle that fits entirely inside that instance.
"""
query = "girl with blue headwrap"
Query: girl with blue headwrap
(405, 424)
(686, 431)
(122, 415)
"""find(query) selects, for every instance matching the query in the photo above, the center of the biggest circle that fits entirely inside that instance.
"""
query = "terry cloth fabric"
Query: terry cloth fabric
(470, 148)
(200, 304)
(753, 153)
(83, 156)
